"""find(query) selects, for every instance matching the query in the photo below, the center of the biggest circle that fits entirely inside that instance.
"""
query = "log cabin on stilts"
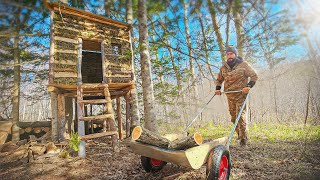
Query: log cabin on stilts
(90, 64)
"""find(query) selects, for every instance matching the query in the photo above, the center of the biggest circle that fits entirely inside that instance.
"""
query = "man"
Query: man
(235, 74)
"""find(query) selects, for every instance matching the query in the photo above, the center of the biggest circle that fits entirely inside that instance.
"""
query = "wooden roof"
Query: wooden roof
(63, 8)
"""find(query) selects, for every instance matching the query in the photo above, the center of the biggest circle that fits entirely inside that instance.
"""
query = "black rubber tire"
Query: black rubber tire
(214, 160)
(149, 167)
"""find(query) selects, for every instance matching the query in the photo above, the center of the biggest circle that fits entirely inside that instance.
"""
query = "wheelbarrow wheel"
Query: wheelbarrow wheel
(218, 164)
(151, 164)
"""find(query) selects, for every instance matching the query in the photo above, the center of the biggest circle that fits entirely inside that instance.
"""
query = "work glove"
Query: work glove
(218, 92)
(245, 90)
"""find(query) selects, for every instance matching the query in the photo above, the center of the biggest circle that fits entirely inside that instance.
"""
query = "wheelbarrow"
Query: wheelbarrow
(215, 154)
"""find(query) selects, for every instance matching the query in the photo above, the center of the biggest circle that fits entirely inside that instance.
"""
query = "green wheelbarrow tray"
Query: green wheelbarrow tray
(193, 157)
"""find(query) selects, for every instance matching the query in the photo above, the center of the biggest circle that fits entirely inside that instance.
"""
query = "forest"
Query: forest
(159, 72)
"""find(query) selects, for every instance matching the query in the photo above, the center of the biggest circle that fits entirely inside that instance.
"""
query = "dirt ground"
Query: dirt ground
(263, 160)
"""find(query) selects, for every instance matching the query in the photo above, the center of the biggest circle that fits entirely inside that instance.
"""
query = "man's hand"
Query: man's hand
(246, 90)
(218, 92)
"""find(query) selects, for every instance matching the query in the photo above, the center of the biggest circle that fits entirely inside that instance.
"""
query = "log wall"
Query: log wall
(116, 55)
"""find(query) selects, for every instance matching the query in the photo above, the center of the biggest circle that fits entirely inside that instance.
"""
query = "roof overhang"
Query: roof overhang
(63, 8)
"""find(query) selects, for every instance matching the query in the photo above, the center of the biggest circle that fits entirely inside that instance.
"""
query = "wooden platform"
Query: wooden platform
(114, 88)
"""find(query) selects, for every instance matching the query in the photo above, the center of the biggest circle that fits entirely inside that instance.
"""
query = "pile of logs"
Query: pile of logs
(27, 151)
(176, 141)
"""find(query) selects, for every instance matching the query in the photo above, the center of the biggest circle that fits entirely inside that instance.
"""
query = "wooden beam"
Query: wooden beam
(65, 74)
(66, 51)
(58, 38)
(119, 117)
(90, 16)
(51, 51)
(61, 117)
(66, 62)
(127, 114)
(54, 120)
(97, 135)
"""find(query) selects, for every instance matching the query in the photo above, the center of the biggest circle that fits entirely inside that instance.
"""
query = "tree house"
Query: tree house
(90, 64)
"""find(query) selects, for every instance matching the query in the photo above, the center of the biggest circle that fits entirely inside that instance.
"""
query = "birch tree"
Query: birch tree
(147, 85)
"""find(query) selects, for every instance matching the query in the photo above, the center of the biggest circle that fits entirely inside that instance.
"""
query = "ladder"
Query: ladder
(97, 90)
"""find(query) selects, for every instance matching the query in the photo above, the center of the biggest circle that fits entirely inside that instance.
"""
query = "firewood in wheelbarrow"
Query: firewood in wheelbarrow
(145, 136)
(188, 142)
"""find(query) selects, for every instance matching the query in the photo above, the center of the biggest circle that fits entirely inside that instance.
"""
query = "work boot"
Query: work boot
(243, 142)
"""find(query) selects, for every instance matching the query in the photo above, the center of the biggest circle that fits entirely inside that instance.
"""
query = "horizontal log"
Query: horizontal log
(58, 38)
(99, 117)
(97, 135)
(118, 75)
(145, 136)
(34, 124)
(64, 70)
(190, 141)
(65, 74)
(65, 62)
(66, 51)
(94, 101)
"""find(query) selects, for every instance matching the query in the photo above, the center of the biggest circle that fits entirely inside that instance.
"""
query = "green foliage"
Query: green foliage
(74, 141)
(268, 132)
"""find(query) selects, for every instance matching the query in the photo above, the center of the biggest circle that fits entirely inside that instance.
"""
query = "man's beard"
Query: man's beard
(231, 62)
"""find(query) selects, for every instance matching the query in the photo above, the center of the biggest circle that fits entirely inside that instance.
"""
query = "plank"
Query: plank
(99, 117)
(97, 135)
(65, 74)
(94, 101)
(66, 62)
(58, 38)
(67, 51)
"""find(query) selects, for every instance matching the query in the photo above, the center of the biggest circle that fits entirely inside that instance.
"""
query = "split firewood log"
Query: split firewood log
(52, 149)
(190, 141)
(38, 150)
(145, 136)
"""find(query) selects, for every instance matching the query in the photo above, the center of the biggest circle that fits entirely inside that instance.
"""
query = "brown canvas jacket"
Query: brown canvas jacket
(237, 77)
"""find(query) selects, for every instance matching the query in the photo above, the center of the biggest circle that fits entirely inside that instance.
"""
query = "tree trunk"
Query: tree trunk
(229, 5)
(107, 8)
(194, 94)
(205, 44)
(16, 79)
(238, 24)
(216, 29)
(135, 119)
(147, 86)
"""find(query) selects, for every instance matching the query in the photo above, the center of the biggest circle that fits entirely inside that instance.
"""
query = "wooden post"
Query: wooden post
(92, 130)
(119, 117)
(86, 123)
(69, 113)
(127, 114)
(109, 110)
(54, 120)
(82, 146)
(61, 117)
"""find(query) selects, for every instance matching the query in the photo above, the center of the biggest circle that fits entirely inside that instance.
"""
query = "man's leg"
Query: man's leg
(233, 113)
(242, 121)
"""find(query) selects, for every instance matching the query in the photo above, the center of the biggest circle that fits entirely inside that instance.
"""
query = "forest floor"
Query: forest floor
(263, 158)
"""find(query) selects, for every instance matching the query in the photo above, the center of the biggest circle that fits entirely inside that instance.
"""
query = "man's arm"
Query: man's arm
(250, 72)
(219, 82)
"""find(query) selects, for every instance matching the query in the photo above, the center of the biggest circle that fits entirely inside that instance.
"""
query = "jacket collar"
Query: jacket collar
(239, 60)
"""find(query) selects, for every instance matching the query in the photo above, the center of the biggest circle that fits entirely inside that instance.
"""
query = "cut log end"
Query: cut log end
(136, 133)
(197, 138)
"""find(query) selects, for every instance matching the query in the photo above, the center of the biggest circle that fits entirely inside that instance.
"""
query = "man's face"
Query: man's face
(230, 56)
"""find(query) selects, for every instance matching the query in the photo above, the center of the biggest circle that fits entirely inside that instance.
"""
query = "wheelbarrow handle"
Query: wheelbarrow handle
(229, 92)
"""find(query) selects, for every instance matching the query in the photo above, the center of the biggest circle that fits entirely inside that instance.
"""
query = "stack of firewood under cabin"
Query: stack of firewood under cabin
(169, 141)
(29, 150)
